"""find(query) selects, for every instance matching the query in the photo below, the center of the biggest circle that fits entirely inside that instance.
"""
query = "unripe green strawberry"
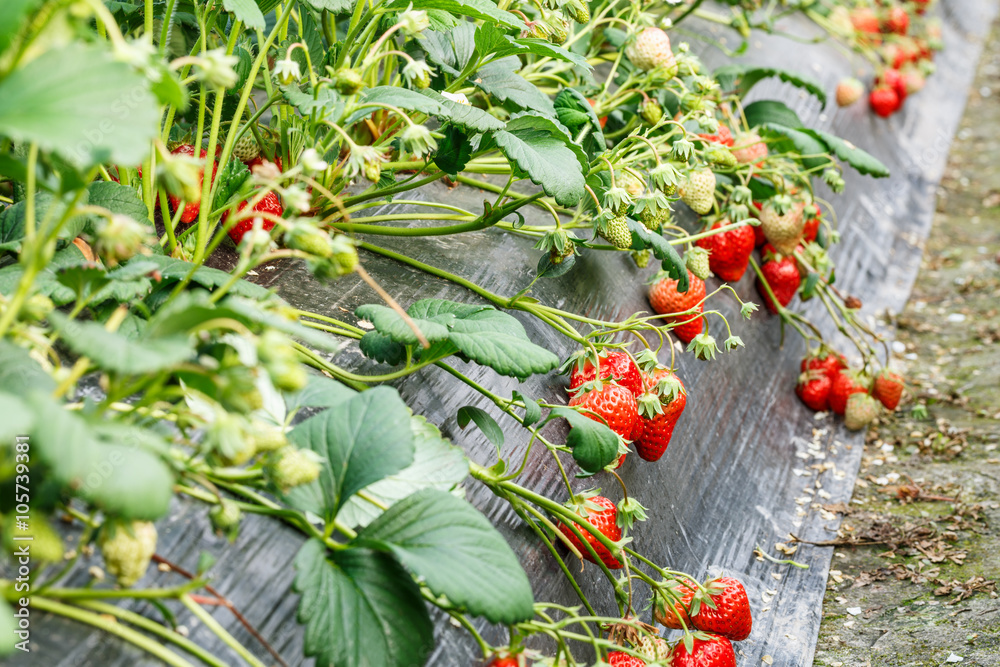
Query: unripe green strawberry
(559, 29)
(861, 411)
(127, 553)
(698, 191)
(784, 232)
(641, 258)
(309, 239)
(45, 544)
(348, 81)
(578, 10)
(345, 254)
(373, 170)
(265, 437)
(290, 467)
(225, 516)
(247, 148)
(36, 308)
(617, 232)
(651, 49)
(696, 260)
(721, 155)
(651, 111)
(654, 221)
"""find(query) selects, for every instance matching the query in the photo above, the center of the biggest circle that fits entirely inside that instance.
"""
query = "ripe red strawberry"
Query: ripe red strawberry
(658, 413)
(894, 79)
(622, 659)
(849, 91)
(506, 661)
(864, 20)
(191, 209)
(612, 404)
(665, 299)
(814, 390)
(707, 651)
(828, 361)
(883, 100)
(617, 365)
(888, 388)
(897, 21)
(602, 514)
(731, 616)
(268, 204)
(782, 275)
(811, 228)
(671, 615)
(603, 120)
(723, 136)
(729, 252)
(260, 159)
(843, 386)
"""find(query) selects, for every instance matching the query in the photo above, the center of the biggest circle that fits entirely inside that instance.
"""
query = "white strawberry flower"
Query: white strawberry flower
(217, 68)
(287, 71)
(457, 97)
(312, 162)
(419, 140)
(414, 21)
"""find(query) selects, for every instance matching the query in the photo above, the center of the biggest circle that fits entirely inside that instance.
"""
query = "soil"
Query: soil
(915, 581)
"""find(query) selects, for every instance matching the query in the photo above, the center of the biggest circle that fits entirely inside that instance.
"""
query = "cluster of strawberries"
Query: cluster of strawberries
(269, 204)
(891, 32)
(827, 384)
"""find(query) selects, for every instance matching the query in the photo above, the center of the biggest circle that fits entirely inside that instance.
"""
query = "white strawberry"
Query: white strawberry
(860, 412)
(128, 552)
(698, 191)
(849, 91)
(247, 148)
(783, 231)
(651, 49)
(749, 148)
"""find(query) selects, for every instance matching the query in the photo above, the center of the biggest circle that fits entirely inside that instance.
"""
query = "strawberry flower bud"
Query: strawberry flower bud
(312, 162)
(348, 81)
(418, 140)
(414, 21)
(286, 71)
(297, 198)
(418, 75)
(703, 346)
(217, 69)
(120, 238)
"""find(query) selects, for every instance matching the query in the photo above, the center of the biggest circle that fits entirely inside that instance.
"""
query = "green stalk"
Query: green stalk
(220, 631)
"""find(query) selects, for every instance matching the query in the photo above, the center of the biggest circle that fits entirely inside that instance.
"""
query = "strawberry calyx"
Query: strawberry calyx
(703, 346)
(630, 510)
(647, 361)
(650, 405)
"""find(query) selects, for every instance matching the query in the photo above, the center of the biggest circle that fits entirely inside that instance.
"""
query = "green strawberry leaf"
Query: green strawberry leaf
(360, 608)
(771, 111)
(45, 281)
(532, 411)
(17, 420)
(456, 552)
(484, 421)
(573, 110)
(230, 179)
(454, 150)
(78, 101)
(671, 261)
(442, 310)
(809, 150)
(483, 10)
(113, 352)
(429, 102)
(451, 50)
(19, 373)
(497, 340)
(436, 464)
(501, 80)
(320, 392)
(173, 270)
(118, 198)
(741, 78)
(594, 444)
(246, 11)
(382, 348)
(388, 322)
(544, 48)
(863, 162)
(539, 148)
(362, 440)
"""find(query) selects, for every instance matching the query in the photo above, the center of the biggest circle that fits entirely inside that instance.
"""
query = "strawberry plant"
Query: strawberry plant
(142, 143)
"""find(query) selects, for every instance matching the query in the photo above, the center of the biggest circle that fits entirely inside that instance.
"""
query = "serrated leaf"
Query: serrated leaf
(172, 269)
(484, 421)
(451, 50)
(806, 147)
(454, 151)
(670, 260)
(362, 440)
(456, 552)
(865, 163)
(230, 179)
(429, 102)
(335, 6)
(539, 149)
(246, 11)
(570, 102)
(45, 281)
(543, 47)
(110, 351)
(532, 411)
(360, 609)
(771, 111)
(439, 310)
(546, 269)
(500, 80)
(327, 103)
(741, 78)
(83, 278)
(78, 101)
(118, 198)
(387, 321)
(13, 222)
(436, 464)
(382, 348)
(483, 10)
(594, 444)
